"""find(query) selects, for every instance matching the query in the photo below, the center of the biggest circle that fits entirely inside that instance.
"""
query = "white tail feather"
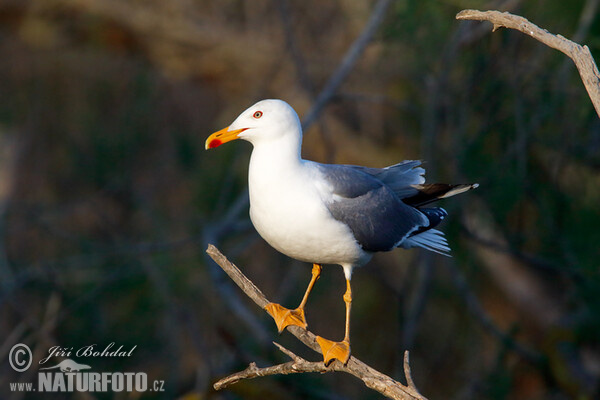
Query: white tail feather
(432, 240)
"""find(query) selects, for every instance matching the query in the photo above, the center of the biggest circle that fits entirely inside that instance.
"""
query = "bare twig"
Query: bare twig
(238, 277)
(581, 55)
(372, 378)
(298, 365)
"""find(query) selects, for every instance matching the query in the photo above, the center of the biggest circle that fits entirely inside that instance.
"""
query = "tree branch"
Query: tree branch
(372, 378)
(581, 55)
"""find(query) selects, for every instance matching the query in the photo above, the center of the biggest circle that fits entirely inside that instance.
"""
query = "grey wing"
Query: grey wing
(400, 178)
(378, 219)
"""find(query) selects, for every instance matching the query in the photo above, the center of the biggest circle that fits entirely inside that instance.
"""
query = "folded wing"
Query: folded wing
(382, 206)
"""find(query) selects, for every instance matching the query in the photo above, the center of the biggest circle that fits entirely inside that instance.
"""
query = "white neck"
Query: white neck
(274, 155)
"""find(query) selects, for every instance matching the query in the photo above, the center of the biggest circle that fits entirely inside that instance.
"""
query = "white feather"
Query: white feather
(432, 240)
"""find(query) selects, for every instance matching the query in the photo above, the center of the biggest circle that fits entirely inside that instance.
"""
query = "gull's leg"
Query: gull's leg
(283, 316)
(339, 350)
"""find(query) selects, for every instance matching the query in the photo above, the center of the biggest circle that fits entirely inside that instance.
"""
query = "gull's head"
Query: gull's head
(266, 120)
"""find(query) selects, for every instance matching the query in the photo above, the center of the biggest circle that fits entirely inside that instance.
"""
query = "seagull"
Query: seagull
(330, 213)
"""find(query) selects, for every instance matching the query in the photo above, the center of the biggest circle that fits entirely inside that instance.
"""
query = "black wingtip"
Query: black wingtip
(428, 193)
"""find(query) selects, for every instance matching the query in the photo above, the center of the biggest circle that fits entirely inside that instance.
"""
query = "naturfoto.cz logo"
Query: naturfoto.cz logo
(71, 376)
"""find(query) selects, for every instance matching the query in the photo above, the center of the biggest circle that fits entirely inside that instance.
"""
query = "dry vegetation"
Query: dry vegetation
(108, 200)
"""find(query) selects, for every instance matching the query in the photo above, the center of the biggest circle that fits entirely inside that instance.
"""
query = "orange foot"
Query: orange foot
(284, 317)
(334, 350)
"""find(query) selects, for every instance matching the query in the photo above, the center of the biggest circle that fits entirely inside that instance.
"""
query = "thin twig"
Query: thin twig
(238, 277)
(407, 372)
(581, 55)
(372, 378)
(298, 365)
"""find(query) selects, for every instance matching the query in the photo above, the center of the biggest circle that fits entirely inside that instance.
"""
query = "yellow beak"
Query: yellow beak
(222, 136)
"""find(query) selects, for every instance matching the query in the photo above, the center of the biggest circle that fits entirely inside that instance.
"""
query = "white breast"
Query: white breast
(287, 209)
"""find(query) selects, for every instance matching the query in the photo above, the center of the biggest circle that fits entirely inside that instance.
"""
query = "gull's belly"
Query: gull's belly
(298, 224)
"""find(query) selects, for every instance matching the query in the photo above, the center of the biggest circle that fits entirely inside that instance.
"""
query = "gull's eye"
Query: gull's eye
(257, 114)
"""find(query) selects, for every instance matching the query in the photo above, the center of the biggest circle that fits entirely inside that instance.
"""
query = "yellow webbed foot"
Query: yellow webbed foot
(284, 317)
(334, 350)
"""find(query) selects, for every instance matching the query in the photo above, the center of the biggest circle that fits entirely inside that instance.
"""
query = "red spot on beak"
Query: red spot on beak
(214, 143)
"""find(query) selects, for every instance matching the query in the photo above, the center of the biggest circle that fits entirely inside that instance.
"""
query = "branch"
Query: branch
(372, 378)
(581, 55)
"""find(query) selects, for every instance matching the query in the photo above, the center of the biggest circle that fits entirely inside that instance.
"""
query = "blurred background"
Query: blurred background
(108, 199)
